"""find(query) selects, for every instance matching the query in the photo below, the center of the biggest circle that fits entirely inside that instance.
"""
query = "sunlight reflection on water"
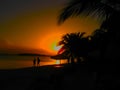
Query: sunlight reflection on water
(13, 62)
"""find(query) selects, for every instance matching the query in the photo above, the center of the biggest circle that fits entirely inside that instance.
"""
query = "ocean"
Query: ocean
(15, 62)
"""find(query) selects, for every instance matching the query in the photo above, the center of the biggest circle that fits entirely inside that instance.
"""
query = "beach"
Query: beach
(41, 78)
(50, 77)
(21, 79)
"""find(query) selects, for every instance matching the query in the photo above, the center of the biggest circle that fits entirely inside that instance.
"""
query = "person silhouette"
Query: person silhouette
(38, 61)
(34, 62)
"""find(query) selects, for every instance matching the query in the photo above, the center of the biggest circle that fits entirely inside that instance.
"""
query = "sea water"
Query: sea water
(14, 61)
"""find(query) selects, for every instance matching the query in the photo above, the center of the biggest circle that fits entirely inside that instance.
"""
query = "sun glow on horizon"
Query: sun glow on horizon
(57, 48)
(50, 41)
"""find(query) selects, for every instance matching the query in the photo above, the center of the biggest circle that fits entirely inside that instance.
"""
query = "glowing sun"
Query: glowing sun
(57, 48)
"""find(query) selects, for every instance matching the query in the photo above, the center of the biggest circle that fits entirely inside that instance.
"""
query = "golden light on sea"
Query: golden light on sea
(57, 62)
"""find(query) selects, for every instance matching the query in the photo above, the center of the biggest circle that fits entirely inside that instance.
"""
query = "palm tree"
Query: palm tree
(74, 45)
(107, 10)
(99, 41)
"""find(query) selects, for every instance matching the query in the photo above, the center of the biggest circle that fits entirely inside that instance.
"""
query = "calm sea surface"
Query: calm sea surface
(13, 62)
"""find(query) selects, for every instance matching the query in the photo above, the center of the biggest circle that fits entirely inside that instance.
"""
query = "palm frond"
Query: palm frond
(82, 34)
(87, 7)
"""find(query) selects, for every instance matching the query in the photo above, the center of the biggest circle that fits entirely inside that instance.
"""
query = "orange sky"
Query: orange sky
(38, 29)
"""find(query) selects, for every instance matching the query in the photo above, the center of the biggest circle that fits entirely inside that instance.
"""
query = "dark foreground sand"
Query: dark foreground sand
(51, 78)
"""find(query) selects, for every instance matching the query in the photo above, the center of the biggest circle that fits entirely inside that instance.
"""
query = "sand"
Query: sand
(48, 78)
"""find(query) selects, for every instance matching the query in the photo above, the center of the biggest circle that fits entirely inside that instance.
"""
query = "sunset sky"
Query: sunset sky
(33, 23)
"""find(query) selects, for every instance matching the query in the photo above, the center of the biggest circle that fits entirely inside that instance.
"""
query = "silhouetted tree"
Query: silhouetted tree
(100, 40)
(74, 45)
(107, 10)
(99, 8)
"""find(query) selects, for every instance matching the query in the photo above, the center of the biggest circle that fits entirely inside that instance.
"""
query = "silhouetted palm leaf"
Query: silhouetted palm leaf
(110, 9)
(97, 8)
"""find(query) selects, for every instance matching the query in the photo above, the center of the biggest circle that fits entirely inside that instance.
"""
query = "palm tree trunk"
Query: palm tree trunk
(68, 60)
(72, 61)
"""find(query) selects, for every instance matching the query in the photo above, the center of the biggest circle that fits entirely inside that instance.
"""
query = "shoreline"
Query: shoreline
(27, 78)
(31, 67)
(50, 77)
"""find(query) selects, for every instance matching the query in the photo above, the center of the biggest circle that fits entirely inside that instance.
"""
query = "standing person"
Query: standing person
(38, 61)
(34, 62)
